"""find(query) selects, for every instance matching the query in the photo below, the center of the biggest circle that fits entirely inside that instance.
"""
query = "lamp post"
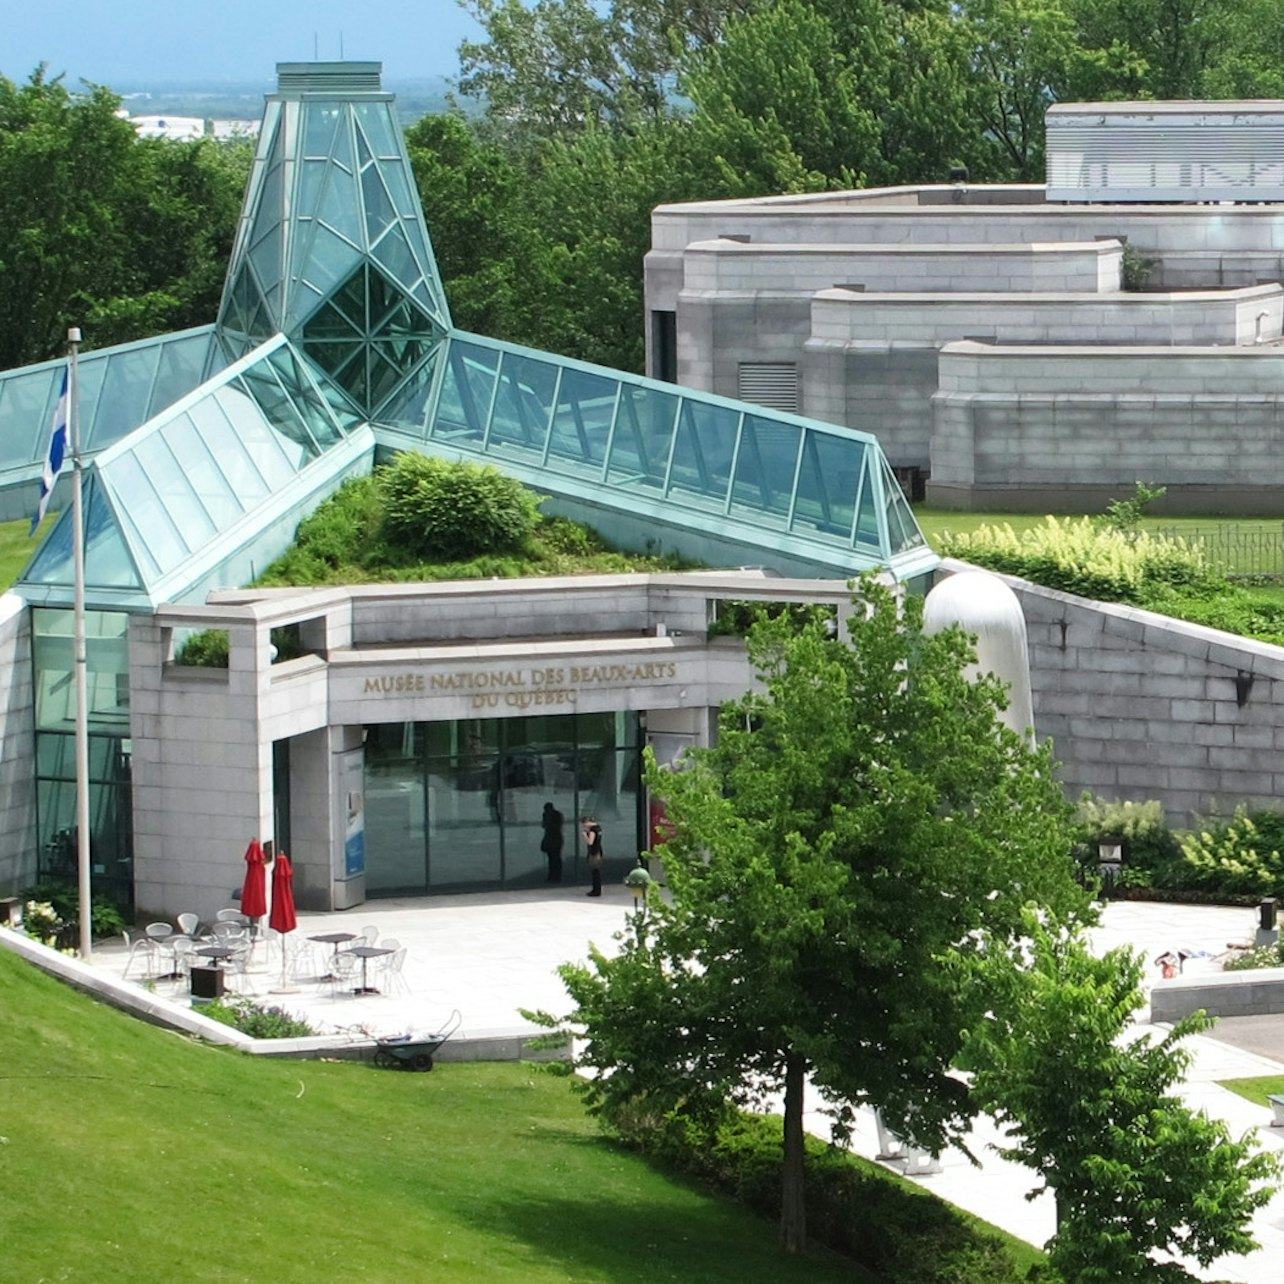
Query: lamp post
(1110, 854)
(639, 881)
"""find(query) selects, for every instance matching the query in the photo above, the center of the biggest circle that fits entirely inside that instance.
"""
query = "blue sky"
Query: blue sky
(241, 40)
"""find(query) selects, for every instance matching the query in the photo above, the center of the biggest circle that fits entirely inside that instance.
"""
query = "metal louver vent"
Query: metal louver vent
(773, 384)
(328, 77)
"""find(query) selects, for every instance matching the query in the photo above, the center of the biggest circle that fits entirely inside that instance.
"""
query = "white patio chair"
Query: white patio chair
(139, 946)
(160, 935)
(344, 973)
(390, 943)
(181, 949)
(390, 977)
(188, 924)
(367, 936)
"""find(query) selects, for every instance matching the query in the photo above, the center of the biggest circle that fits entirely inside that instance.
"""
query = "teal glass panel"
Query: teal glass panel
(380, 214)
(328, 322)
(181, 368)
(340, 206)
(126, 393)
(702, 453)
(108, 563)
(223, 440)
(26, 411)
(152, 533)
(265, 257)
(327, 260)
(352, 376)
(393, 252)
(375, 121)
(212, 488)
(308, 402)
(351, 299)
(523, 405)
(384, 301)
(311, 183)
(332, 355)
(765, 465)
(828, 479)
(320, 121)
(181, 502)
(263, 445)
(107, 674)
(296, 442)
(92, 374)
(582, 421)
(466, 391)
(404, 321)
(247, 311)
(384, 374)
(409, 409)
(868, 536)
(397, 181)
(643, 436)
(401, 354)
(902, 530)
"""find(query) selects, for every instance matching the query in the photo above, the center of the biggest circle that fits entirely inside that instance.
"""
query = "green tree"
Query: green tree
(863, 817)
(123, 236)
(1091, 1107)
(558, 66)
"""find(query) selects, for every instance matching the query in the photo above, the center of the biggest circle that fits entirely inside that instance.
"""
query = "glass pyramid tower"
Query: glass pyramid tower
(334, 337)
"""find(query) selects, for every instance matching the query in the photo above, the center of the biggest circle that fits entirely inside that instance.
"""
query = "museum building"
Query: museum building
(395, 739)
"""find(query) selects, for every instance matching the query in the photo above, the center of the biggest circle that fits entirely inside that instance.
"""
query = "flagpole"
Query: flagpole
(83, 859)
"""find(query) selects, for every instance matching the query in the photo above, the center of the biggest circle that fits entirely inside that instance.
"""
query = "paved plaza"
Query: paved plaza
(488, 955)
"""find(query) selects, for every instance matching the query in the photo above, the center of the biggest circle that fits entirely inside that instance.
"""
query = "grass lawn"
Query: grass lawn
(130, 1153)
(1256, 1090)
(16, 547)
(933, 521)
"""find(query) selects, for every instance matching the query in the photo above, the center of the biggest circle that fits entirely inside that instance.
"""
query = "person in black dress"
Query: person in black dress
(551, 843)
(593, 850)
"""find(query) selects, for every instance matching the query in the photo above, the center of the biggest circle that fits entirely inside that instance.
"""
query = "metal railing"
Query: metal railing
(1234, 548)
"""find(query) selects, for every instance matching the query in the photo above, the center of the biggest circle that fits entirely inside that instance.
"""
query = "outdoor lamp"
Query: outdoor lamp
(1110, 853)
(638, 881)
(11, 908)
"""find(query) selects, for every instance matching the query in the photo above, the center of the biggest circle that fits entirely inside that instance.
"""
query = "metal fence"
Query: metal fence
(1237, 549)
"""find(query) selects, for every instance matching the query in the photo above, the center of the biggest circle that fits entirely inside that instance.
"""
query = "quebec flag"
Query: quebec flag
(57, 449)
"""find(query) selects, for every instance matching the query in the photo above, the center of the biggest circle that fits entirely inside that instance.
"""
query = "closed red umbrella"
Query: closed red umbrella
(283, 918)
(254, 889)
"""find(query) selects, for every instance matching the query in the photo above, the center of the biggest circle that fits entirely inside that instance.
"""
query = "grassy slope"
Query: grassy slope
(129, 1153)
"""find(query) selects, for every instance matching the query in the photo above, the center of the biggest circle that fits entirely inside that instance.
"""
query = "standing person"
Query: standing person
(551, 843)
(593, 850)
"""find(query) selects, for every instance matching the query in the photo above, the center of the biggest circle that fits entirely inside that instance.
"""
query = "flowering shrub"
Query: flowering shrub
(1233, 858)
(41, 920)
(1078, 555)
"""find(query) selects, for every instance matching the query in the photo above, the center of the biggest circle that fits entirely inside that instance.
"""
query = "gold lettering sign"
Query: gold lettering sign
(534, 688)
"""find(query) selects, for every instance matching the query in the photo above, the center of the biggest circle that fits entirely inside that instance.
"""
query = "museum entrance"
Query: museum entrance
(460, 806)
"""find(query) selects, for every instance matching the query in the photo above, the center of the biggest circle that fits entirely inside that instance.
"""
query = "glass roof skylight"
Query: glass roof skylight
(336, 326)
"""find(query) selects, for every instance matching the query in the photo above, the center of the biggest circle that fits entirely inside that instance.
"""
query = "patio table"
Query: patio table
(334, 939)
(365, 953)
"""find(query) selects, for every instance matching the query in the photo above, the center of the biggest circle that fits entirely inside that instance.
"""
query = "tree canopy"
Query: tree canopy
(863, 818)
(124, 236)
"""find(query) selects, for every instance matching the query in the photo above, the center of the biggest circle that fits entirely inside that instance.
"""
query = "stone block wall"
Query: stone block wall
(17, 748)
(1056, 428)
(1139, 706)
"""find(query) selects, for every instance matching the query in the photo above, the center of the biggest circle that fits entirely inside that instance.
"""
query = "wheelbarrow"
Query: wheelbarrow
(413, 1051)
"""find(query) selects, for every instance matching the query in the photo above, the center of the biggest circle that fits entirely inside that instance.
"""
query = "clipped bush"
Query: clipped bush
(1230, 856)
(434, 508)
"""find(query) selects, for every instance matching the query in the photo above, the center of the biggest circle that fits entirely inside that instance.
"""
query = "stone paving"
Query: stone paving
(488, 955)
